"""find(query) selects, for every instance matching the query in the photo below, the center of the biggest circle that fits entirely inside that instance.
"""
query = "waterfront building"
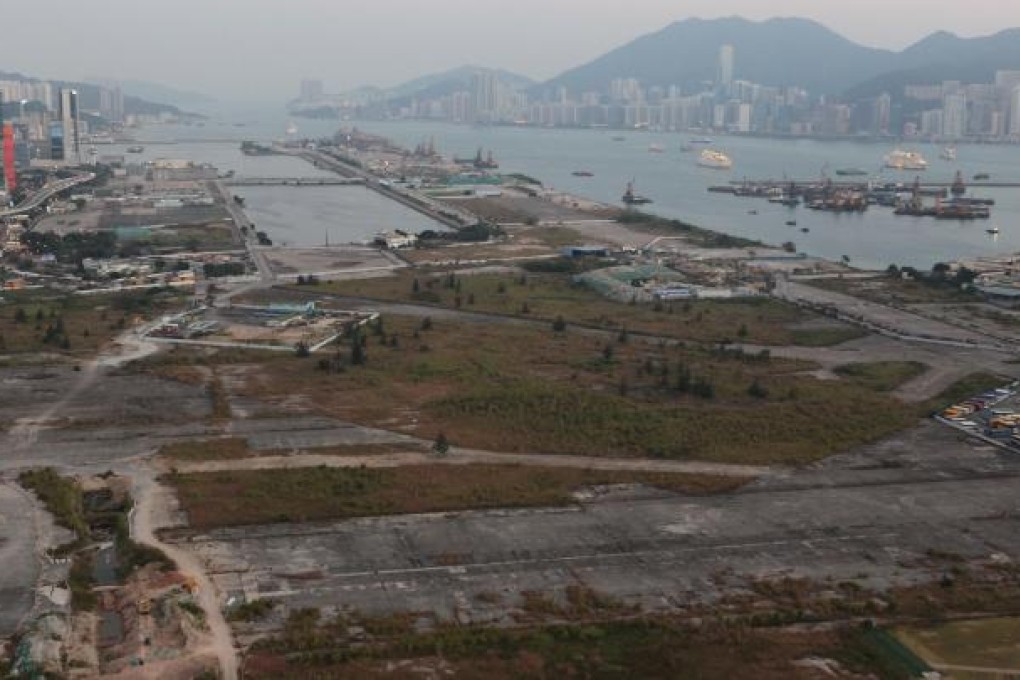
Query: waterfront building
(1014, 120)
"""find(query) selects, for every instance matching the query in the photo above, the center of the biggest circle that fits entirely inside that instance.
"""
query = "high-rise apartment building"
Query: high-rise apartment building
(485, 95)
(1014, 107)
(954, 118)
(71, 126)
(727, 57)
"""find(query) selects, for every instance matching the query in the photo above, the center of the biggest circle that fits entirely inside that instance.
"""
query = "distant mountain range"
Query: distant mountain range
(793, 52)
(88, 96)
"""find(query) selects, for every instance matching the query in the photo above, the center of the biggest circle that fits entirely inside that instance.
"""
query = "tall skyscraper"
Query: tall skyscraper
(71, 126)
(311, 90)
(727, 57)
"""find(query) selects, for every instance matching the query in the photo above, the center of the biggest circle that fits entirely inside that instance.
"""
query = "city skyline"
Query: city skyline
(316, 39)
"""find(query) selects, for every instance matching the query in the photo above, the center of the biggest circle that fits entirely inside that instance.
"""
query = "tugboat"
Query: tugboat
(630, 198)
(958, 188)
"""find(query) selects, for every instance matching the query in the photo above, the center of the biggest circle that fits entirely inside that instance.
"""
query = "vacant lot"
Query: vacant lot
(986, 643)
(548, 296)
(523, 389)
(881, 376)
(301, 495)
(76, 325)
(647, 648)
(895, 291)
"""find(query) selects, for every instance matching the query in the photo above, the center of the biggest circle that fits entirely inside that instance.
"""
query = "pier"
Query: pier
(292, 181)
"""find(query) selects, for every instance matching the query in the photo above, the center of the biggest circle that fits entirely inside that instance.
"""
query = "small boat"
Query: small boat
(630, 198)
(992, 230)
(982, 177)
(619, 139)
(291, 129)
(582, 173)
(656, 148)
(700, 140)
(791, 223)
(752, 212)
(805, 229)
(948, 153)
(135, 149)
(851, 172)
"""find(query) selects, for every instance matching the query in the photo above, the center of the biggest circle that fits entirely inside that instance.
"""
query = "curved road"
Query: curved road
(46, 193)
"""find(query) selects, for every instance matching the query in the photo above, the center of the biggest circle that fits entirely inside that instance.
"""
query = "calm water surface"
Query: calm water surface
(672, 179)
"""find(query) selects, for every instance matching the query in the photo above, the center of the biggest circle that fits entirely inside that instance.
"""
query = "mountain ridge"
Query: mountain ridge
(787, 51)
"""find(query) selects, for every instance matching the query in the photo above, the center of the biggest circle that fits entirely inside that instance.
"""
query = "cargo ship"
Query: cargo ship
(630, 198)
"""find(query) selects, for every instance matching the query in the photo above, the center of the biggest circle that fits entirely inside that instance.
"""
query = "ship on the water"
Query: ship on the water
(631, 198)
(948, 153)
(656, 148)
(135, 149)
(479, 162)
(710, 158)
(901, 159)
(583, 173)
(851, 172)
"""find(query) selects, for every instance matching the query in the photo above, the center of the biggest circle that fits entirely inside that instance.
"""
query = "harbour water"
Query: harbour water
(293, 216)
(672, 179)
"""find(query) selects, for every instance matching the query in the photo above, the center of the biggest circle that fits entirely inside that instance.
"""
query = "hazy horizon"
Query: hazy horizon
(260, 52)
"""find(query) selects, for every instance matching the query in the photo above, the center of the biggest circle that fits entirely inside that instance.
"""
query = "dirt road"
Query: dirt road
(458, 456)
(152, 511)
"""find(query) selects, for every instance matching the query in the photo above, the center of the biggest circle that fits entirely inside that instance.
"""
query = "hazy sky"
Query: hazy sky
(259, 49)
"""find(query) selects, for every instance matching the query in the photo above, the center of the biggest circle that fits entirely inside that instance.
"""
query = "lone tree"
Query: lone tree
(358, 357)
(441, 446)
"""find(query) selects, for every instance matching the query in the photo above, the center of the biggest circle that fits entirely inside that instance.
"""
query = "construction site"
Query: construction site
(274, 327)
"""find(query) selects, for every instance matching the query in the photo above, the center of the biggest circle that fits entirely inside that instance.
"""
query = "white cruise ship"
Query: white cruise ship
(906, 160)
(710, 158)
